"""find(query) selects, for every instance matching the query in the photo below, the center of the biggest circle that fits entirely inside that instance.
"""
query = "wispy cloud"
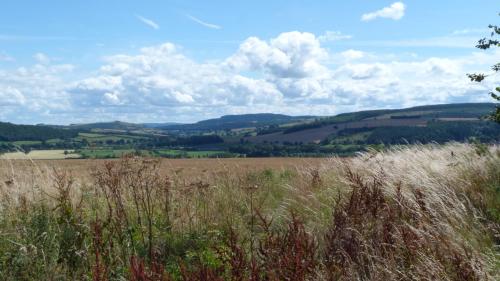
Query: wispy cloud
(333, 36)
(396, 11)
(148, 22)
(471, 31)
(206, 24)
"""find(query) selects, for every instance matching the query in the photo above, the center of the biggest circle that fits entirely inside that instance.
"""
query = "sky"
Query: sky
(65, 62)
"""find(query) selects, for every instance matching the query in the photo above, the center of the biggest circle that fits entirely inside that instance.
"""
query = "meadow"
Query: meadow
(410, 213)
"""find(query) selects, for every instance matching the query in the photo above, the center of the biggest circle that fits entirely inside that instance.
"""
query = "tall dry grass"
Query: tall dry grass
(410, 213)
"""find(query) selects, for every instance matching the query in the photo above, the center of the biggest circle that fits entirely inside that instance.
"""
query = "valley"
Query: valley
(254, 135)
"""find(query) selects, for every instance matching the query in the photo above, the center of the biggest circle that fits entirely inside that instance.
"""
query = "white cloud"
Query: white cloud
(161, 76)
(353, 54)
(34, 94)
(467, 31)
(395, 11)
(148, 22)
(333, 36)
(111, 99)
(42, 58)
(206, 24)
(10, 96)
(291, 54)
(291, 73)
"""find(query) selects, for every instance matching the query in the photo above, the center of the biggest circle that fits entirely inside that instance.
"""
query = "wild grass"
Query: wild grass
(412, 213)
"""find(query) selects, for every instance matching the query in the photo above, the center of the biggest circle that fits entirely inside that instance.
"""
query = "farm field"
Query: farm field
(185, 169)
(318, 134)
(40, 155)
(104, 153)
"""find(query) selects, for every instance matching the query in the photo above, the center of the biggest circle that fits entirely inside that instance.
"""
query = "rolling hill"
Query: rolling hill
(116, 125)
(262, 135)
(428, 119)
(229, 122)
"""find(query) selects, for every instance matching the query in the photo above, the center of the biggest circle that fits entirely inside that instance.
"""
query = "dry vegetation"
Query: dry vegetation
(418, 213)
(39, 154)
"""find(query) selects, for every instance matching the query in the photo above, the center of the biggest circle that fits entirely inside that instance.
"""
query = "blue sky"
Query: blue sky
(163, 61)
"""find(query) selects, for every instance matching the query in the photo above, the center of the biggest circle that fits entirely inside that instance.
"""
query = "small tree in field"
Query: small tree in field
(485, 44)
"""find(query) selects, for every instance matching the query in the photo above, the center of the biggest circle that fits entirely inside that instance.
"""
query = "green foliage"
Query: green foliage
(12, 132)
(291, 150)
(440, 132)
(31, 250)
(484, 44)
(481, 148)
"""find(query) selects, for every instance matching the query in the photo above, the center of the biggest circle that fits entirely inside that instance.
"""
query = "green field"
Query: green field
(93, 137)
(104, 153)
(169, 153)
(349, 139)
(26, 142)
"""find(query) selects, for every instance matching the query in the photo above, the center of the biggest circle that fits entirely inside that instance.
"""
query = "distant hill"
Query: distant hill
(267, 123)
(116, 125)
(229, 122)
(159, 125)
(12, 132)
(416, 124)
(431, 120)
(120, 126)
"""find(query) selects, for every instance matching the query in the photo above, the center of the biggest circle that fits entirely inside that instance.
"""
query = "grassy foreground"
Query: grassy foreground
(418, 213)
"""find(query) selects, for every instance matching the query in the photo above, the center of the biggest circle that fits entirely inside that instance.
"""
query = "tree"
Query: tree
(484, 44)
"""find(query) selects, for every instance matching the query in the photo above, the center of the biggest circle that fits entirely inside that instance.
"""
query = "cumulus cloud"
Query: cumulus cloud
(291, 54)
(395, 11)
(148, 22)
(291, 73)
(161, 76)
(34, 94)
